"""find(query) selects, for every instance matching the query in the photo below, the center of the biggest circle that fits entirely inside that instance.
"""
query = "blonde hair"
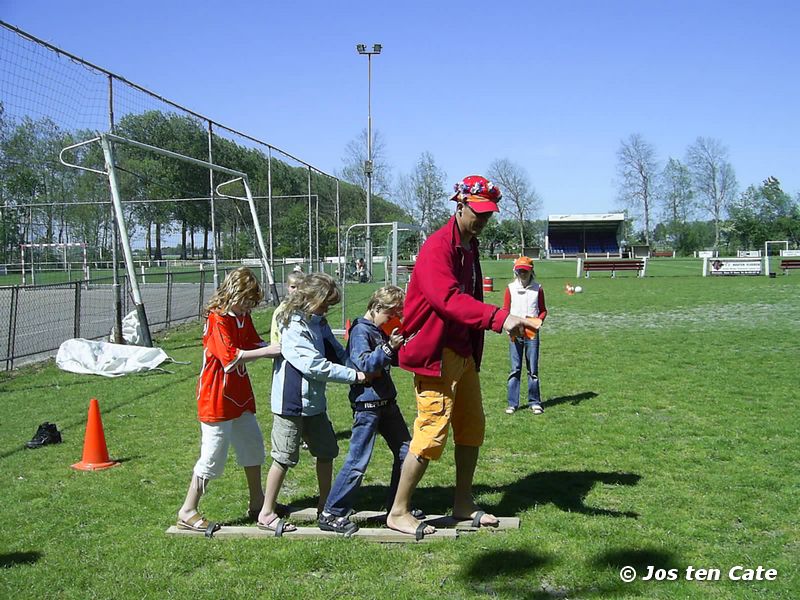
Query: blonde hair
(312, 292)
(389, 297)
(240, 287)
(295, 277)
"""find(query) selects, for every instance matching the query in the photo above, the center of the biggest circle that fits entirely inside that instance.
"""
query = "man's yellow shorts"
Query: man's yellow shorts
(454, 398)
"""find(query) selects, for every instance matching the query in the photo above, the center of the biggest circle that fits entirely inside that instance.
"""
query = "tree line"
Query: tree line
(42, 201)
(695, 203)
(685, 205)
(682, 205)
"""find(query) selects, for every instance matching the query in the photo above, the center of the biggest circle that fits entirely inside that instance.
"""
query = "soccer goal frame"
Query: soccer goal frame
(767, 244)
(397, 228)
(64, 246)
(107, 141)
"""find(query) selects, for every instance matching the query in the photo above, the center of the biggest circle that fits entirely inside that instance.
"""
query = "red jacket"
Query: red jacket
(434, 298)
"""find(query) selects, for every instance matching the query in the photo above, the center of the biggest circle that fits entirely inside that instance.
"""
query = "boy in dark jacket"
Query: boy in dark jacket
(372, 348)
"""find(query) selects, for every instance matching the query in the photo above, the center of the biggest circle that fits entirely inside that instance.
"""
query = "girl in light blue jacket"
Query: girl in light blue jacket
(311, 357)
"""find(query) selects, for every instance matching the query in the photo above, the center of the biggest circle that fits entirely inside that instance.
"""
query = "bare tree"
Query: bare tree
(637, 168)
(423, 195)
(713, 178)
(676, 192)
(520, 200)
(677, 198)
(355, 155)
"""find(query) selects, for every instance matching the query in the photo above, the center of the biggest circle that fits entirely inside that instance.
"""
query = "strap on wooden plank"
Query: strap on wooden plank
(377, 516)
(372, 535)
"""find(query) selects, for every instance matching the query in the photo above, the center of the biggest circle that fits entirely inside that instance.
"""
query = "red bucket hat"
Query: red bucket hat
(480, 193)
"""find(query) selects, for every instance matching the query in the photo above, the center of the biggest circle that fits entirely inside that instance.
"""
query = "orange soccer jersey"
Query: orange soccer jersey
(224, 391)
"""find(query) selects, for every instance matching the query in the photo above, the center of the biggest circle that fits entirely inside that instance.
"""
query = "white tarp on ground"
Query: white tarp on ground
(109, 360)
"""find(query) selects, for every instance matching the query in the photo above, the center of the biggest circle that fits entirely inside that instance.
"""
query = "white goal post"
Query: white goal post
(107, 141)
(391, 258)
(63, 246)
(784, 243)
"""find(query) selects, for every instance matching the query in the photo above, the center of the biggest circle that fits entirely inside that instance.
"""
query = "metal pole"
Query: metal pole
(12, 328)
(394, 253)
(108, 152)
(260, 238)
(310, 234)
(368, 164)
(213, 224)
(115, 286)
(338, 232)
(275, 301)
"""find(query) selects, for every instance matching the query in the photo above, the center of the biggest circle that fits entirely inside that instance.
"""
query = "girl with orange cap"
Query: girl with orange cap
(524, 297)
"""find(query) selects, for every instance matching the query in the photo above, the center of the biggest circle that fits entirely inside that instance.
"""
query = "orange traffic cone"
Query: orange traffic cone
(95, 453)
(347, 330)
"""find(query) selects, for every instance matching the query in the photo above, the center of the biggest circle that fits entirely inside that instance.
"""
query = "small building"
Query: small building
(584, 235)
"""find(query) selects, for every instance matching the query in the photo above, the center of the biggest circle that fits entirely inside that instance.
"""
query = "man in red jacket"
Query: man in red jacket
(444, 320)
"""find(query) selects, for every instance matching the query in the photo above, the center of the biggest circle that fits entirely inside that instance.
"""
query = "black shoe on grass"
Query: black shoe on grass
(46, 434)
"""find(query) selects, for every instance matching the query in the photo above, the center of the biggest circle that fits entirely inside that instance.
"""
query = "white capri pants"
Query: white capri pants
(245, 435)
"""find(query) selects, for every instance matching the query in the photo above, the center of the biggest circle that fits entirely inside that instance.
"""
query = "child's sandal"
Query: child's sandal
(341, 525)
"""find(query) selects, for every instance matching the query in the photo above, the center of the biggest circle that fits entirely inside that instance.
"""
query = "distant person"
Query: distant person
(362, 275)
(311, 357)
(524, 297)
(226, 405)
(292, 281)
(444, 320)
(372, 346)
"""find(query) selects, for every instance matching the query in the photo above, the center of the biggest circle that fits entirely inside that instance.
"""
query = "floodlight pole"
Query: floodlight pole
(362, 49)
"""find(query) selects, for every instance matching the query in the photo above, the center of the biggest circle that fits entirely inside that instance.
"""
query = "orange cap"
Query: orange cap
(523, 262)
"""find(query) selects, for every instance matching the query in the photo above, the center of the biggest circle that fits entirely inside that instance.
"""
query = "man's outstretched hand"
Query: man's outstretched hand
(516, 326)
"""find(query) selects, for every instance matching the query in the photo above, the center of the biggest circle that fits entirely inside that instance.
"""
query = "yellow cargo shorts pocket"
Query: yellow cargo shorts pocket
(434, 409)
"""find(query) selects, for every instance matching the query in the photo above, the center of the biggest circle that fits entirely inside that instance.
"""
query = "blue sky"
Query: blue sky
(551, 86)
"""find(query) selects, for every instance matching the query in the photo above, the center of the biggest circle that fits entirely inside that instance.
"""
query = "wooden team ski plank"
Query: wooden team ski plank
(373, 535)
(460, 525)
(375, 516)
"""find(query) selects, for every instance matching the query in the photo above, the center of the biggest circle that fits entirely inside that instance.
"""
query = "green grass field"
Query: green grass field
(669, 439)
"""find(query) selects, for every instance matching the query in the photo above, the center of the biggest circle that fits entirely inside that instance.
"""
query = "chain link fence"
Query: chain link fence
(36, 320)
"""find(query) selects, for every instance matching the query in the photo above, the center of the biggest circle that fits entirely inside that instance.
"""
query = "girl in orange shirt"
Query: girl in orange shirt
(225, 402)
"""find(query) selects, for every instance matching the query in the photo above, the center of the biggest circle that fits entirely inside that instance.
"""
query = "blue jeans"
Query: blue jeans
(516, 349)
(367, 424)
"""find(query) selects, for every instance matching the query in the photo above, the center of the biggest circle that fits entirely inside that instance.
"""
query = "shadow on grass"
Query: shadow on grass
(499, 572)
(12, 559)
(566, 490)
(503, 563)
(511, 573)
(574, 399)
